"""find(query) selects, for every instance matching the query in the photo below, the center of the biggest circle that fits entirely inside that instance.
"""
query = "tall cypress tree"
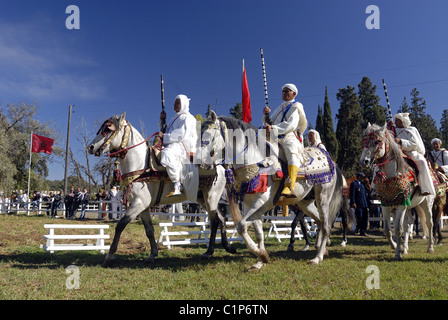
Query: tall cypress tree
(444, 128)
(424, 122)
(349, 130)
(328, 135)
(372, 111)
(319, 119)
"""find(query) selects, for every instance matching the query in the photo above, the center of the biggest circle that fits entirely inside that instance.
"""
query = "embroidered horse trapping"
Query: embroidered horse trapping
(318, 169)
(395, 191)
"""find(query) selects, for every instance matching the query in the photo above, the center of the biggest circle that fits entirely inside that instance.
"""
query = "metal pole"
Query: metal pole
(387, 100)
(67, 149)
(29, 169)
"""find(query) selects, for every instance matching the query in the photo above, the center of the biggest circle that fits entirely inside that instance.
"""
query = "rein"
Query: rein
(128, 148)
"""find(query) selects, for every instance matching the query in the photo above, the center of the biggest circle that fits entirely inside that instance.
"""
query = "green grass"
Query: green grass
(27, 272)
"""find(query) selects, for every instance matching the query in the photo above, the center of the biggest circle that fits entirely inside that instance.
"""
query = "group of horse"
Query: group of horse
(320, 199)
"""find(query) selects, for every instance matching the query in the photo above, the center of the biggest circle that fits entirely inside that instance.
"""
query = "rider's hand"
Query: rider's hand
(266, 110)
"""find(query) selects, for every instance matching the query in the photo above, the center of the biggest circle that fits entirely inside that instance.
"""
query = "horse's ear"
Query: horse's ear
(213, 116)
(123, 115)
(384, 127)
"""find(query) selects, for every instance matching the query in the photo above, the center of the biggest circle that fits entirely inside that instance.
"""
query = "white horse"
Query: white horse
(395, 184)
(145, 190)
(320, 201)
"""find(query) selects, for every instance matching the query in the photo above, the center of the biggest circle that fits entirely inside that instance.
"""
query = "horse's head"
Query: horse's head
(375, 144)
(109, 136)
(213, 141)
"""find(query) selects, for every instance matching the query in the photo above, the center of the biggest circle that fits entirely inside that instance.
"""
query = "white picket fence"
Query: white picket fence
(52, 246)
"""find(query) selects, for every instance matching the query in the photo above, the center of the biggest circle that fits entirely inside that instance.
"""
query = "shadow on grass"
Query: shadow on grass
(174, 260)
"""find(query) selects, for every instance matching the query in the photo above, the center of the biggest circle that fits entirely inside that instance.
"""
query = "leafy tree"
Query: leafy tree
(349, 130)
(328, 135)
(237, 111)
(372, 111)
(17, 122)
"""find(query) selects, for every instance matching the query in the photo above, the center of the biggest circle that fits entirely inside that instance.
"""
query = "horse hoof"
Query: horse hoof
(256, 267)
(150, 259)
(290, 248)
(108, 261)
(431, 250)
(206, 256)
(315, 261)
(264, 256)
(306, 248)
(398, 258)
(343, 243)
(231, 249)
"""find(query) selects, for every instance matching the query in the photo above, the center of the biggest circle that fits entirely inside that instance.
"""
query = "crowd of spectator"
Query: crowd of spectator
(54, 202)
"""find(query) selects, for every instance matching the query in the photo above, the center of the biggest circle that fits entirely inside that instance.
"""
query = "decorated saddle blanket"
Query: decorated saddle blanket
(317, 167)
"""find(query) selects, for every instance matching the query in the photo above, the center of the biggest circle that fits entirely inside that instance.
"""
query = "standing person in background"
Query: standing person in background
(85, 197)
(101, 197)
(56, 202)
(359, 201)
(69, 203)
(114, 199)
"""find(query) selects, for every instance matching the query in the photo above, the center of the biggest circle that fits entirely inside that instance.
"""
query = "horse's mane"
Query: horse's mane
(394, 151)
(234, 123)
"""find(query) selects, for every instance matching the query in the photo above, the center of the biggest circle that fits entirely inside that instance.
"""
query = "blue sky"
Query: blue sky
(114, 61)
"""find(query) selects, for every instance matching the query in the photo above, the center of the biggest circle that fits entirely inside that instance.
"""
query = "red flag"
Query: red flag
(247, 116)
(41, 144)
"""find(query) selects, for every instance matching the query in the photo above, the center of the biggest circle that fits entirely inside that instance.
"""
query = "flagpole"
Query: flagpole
(29, 166)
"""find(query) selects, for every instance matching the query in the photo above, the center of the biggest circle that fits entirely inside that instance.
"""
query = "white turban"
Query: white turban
(404, 117)
(291, 87)
(436, 140)
(185, 103)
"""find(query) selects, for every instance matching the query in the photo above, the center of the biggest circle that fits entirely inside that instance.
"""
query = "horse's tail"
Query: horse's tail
(234, 206)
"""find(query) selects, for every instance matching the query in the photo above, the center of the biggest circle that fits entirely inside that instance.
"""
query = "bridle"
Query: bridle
(373, 138)
(109, 127)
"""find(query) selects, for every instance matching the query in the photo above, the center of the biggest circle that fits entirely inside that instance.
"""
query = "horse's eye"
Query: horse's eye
(377, 141)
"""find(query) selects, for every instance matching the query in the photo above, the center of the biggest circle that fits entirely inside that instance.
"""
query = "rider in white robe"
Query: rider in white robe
(412, 145)
(179, 140)
(439, 155)
(288, 124)
(314, 139)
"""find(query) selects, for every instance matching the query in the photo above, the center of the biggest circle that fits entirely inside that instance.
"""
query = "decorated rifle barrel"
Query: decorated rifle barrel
(387, 100)
(162, 121)
(267, 117)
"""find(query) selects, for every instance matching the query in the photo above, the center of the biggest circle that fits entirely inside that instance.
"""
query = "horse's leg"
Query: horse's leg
(137, 205)
(304, 230)
(259, 206)
(399, 221)
(344, 228)
(113, 247)
(292, 238)
(387, 226)
(426, 206)
(149, 229)
(258, 226)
